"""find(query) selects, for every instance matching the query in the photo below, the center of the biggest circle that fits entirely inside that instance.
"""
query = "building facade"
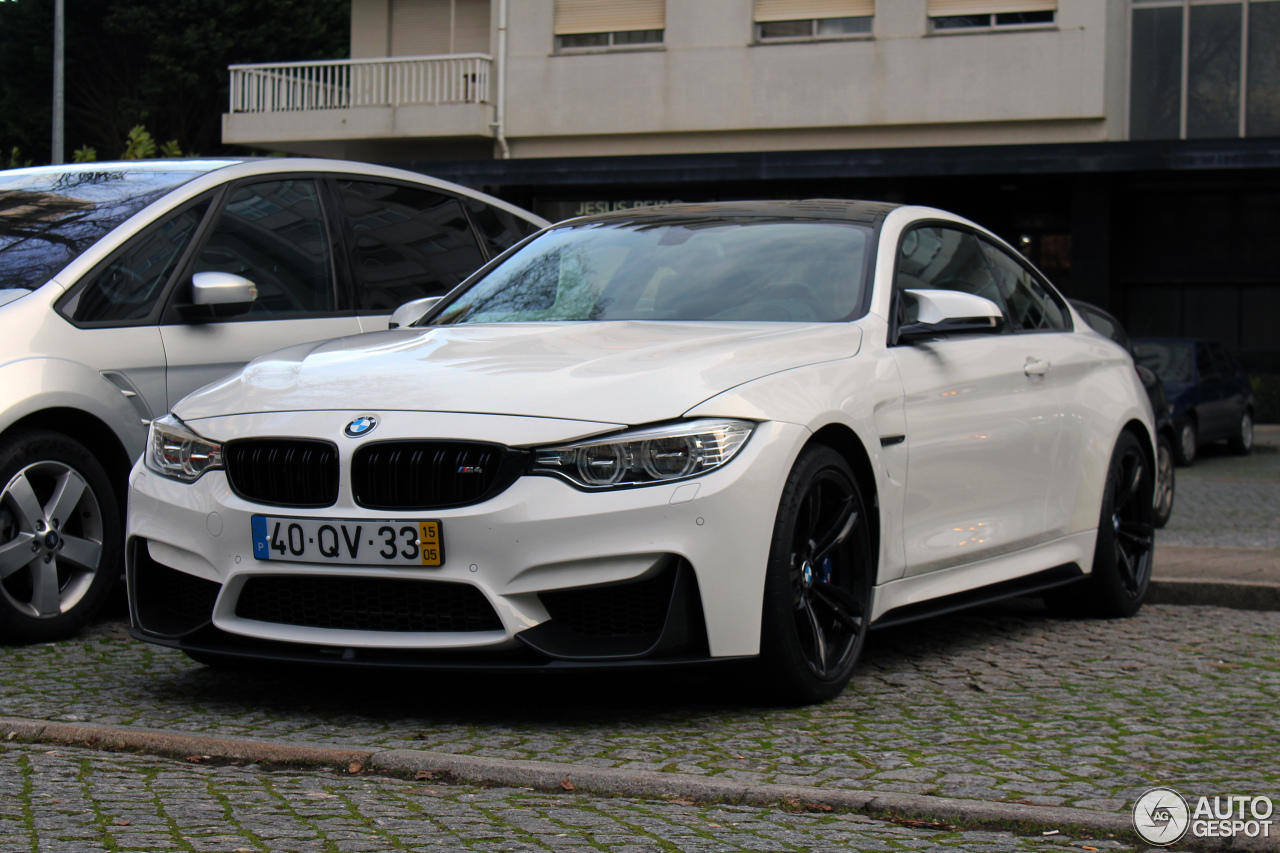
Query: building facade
(1130, 147)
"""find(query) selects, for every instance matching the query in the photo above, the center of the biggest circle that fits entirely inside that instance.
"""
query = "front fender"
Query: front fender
(34, 385)
(862, 394)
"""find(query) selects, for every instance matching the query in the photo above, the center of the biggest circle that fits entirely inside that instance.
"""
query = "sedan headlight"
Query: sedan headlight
(646, 456)
(173, 450)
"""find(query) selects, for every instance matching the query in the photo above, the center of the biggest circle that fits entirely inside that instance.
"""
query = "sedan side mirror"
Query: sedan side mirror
(947, 312)
(411, 312)
(219, 294)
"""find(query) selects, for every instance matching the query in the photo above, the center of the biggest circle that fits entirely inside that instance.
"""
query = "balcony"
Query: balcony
(324, 108)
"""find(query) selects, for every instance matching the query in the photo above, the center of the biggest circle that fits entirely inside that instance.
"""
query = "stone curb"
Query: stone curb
(561, 778)
(1238, 595)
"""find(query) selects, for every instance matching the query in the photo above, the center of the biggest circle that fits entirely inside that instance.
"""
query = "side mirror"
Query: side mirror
(947, 312)
(411, 312)
(219, 294)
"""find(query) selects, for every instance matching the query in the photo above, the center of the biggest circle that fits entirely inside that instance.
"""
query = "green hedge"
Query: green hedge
(1266, 387)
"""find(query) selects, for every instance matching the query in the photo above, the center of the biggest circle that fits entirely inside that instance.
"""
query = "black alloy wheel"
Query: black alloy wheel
(817, 598)
(1123, 554)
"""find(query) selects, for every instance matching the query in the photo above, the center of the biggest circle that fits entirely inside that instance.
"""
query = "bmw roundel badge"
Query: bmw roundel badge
(362, 425)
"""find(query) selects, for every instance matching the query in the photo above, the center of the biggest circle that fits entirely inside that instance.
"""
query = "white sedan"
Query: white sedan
(666, 436)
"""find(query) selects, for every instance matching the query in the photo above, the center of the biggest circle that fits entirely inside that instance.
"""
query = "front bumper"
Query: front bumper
(543, 556)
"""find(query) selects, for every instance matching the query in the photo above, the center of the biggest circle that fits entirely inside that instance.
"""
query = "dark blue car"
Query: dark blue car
(1209, 394)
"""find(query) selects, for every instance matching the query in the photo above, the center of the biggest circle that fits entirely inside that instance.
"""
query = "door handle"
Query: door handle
(1035, 367)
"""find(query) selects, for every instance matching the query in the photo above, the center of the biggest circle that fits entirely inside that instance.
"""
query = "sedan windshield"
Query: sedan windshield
(1171, 362)
(48, 216)
(664, 269)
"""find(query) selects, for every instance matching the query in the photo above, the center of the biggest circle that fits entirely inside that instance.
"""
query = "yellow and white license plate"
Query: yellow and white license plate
(348, 542)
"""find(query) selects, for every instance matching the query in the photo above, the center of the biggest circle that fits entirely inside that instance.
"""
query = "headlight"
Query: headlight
(175, 451)
(643, 457)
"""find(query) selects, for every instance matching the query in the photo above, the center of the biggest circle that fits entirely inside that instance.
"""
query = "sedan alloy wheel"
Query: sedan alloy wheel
(1164, 481)
(1187, 443)
(54, 515)
(1243, 443)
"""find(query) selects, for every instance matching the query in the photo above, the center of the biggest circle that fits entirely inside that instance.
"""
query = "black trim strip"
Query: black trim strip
(215, 642)
(1027, 585)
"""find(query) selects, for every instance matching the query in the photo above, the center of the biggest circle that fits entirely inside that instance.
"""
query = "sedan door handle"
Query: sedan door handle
(1035, 367)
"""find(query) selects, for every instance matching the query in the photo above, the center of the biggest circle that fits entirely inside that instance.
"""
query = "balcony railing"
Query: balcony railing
(461, 78)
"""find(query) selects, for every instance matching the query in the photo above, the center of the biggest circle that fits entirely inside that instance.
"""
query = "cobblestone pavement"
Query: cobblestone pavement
(1227, 501)
(71, 800)
(1007, 703)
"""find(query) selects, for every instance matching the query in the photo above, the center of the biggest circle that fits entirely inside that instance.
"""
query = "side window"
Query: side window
(1030, 306)
(499, 229)
(1205, 365)
(1101, 324)
(273, 234)
(1104, 324)
(409, 243)
(933, 258)
(128, 287)
(1226, 364)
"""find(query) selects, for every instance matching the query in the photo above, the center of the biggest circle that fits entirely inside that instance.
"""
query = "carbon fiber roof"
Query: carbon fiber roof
(860, 212)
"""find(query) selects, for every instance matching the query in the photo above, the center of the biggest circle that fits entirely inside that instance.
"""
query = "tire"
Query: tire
(1165, 481)
(1122, 557)
(1188, 441)
(818, 584)
(1242, 444)
(60, 536)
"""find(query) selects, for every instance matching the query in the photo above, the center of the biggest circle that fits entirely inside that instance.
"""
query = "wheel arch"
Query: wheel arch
(89, 430)
(845, 441)
(1145, 438)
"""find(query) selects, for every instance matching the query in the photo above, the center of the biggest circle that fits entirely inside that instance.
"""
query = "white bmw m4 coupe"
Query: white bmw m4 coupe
(668, 436)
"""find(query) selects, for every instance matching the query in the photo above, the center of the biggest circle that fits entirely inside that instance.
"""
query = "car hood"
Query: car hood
(617, 372)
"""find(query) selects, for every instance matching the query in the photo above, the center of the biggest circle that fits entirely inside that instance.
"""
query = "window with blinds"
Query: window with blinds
(609, 23)
(790, 20)
(1204, 70)
(985, 14)
(434, 27)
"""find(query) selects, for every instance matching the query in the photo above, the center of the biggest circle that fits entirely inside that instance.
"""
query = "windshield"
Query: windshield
(796, 271)
(1171, 362)
(48, 216)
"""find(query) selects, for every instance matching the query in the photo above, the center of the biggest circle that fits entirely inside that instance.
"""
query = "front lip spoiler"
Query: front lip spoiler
(311, 655)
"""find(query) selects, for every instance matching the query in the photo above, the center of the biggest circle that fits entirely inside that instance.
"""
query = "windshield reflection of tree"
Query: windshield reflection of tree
(46, 225)
(797, 271)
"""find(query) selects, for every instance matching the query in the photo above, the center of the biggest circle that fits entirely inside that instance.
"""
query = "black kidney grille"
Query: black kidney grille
(283, 471)
(366, 604)
(430, 474)
(619, 610)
